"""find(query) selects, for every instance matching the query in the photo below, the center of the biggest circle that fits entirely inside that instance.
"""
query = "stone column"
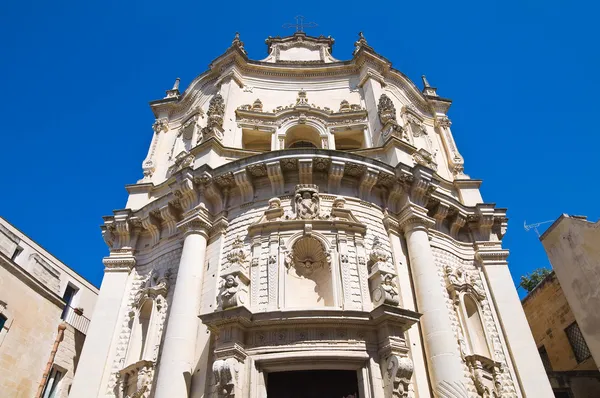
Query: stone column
(441, 347)
(95, 357)
(421, 383)
(177, 360)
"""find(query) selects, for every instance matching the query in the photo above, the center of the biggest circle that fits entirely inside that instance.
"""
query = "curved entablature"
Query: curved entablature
(237, 184)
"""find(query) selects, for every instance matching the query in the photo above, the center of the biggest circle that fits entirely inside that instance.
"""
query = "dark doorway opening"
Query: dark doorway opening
(313, 384)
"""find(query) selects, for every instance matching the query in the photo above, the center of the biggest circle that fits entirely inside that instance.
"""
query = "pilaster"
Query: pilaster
(96, 356)
(515, 328)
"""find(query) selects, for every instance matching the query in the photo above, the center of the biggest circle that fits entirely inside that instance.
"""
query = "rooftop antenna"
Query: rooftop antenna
(535, 226)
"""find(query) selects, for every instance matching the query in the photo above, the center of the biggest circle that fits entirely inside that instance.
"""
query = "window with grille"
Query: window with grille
(580, 348)
(545, 358)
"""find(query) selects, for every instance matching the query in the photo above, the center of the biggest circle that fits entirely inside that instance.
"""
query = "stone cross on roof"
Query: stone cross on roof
(300, 25)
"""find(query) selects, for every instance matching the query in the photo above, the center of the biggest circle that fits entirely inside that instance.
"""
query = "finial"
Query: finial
(174, 92)
(425, 82)
(237, 42)
(360, 42)
(427, 89)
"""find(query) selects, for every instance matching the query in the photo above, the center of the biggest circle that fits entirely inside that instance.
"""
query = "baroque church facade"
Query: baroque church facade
(304, 228)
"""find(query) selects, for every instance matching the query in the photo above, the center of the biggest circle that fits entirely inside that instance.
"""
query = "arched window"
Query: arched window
(138, 344)
(474, 326)
(302, 136)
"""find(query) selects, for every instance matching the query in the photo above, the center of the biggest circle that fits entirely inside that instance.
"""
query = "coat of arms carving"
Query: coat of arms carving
(307, 201)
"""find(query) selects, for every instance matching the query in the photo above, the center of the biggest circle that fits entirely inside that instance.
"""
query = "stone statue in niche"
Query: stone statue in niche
(307, 201)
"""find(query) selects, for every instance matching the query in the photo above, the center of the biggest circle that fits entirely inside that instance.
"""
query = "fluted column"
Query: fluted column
(441, 348)
(177, 359)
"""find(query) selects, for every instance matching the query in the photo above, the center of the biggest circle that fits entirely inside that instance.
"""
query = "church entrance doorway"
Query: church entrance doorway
(313, 384)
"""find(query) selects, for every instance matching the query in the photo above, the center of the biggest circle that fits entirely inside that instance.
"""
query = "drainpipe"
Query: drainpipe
(59, 338)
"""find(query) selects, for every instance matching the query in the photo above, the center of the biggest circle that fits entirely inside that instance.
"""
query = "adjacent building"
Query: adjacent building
(572, 371)
(572, 246)
(44, 316)
(304, 227)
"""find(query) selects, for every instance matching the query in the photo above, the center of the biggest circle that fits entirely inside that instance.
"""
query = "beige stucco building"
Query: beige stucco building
(304, 227)
(44, 306)
(572, 246)
(562, 347)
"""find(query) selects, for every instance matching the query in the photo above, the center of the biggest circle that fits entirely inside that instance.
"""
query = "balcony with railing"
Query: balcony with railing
(75, 318)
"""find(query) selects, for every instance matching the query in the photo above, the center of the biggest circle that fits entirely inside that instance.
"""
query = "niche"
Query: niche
(256, 140)
(308, 279)
(474, 326)
(348, 140)
(139, 342)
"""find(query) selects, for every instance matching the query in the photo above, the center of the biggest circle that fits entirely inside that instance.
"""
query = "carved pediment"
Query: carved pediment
(135, 381)
(307, 213)
(460, 280)
(156, 285)
(300, 49)
(348, 115)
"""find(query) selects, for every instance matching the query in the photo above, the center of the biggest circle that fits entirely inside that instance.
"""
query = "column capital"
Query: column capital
(491, 253)
(196, 223)
(414, 217)
(118, 263)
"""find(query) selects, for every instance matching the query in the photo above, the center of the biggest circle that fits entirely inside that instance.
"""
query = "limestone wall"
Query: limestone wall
(28, 335)
(549, 314)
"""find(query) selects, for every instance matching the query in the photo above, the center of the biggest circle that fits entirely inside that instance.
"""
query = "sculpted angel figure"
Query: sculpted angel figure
(389, 286)
(229, 288)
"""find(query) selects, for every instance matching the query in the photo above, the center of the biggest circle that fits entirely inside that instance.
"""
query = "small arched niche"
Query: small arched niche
(139, 341)
(474, 326)
(302, 136)
(308, 279)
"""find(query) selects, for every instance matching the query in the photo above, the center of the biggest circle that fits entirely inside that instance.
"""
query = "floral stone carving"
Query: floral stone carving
(386, 109)
(216, 111)
(387, 116)
(397, 376)
(382, 276)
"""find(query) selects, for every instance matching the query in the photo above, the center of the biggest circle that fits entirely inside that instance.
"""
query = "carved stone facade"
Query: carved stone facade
(321, 225)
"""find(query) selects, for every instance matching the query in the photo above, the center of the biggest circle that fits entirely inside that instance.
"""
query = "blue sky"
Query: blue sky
(77, 77)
